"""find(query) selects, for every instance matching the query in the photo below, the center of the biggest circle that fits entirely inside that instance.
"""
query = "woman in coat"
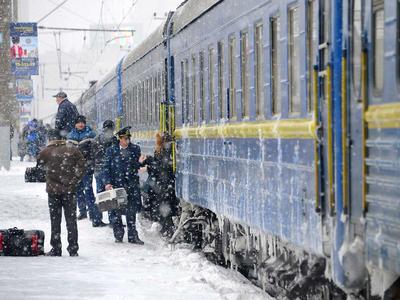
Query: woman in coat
(161, 184)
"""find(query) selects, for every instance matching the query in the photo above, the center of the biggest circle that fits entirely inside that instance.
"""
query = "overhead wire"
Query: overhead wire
(52, 11)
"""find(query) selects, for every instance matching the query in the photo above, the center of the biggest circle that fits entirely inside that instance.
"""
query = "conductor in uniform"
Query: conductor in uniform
(121, 171)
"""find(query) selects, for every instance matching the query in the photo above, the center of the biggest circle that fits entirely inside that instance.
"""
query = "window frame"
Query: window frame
(221, 80)
(276, 99)
(259, 72)
(377, 5)
(232, 109)
(211, 85)
(194, 89)
(245, 73)
(202, 90)
(295, 105)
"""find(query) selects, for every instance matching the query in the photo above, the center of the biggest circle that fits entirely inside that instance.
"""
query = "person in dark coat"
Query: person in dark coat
(65, 166)
(66, 114)
(162, 202)
(33, 139)
(100, 144)
(121, 171)
(83, 135)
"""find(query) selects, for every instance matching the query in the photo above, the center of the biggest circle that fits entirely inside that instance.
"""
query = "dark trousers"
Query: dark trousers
(100, 187)
(56, 204)
(85, 198)
(131, 210)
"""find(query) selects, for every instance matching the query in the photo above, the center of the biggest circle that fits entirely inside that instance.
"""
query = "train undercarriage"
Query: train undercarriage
(281, 270)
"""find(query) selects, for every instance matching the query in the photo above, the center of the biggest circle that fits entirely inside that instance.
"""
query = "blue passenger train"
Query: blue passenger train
(286, 116)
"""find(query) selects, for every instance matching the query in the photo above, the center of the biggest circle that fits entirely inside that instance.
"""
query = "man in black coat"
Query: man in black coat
(66, 114)
(121, 171)
(65, 166)
(100, 144)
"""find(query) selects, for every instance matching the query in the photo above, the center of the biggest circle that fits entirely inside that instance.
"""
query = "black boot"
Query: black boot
(82, 216)
(135, 240)
(53, 252)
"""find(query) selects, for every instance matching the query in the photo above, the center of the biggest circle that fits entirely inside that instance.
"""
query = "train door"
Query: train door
(381, 172)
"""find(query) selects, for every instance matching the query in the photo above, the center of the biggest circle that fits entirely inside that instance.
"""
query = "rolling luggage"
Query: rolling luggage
(112, 199)
(35, 174)
(19, 242)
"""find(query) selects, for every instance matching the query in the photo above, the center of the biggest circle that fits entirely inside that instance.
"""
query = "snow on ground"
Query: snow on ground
(104, 269)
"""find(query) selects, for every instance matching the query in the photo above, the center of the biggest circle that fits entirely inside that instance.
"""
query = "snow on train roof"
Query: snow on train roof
(152, 41)
(189, 11)
(105, 79)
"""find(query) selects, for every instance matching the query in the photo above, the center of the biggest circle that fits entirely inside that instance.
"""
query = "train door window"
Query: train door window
(244, 72)
(311, 42)
(194, 90)
(221, 94)
(275, 65)
(202, 88)
(232, 74)
(183, 90)
(259, 70)
(294, 60)
(378, 45)
(211, 55)
(356, 45)
(398, 40)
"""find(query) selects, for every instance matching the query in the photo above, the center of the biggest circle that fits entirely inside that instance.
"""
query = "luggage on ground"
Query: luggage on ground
(20, 242)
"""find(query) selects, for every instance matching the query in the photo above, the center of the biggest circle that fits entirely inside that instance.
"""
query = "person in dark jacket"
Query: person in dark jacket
(66, 114)
(162, 202)
(121, 171)
(100, 144)
(65, 166)
(83, 135)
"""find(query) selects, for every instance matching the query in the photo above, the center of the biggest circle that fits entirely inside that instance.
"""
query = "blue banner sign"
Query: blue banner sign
(24, 49)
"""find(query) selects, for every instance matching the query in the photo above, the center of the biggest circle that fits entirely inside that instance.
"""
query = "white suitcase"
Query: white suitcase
(112, 199)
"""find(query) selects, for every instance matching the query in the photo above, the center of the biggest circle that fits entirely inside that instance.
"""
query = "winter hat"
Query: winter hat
(54, 134)
(108, 124)
(79, 119)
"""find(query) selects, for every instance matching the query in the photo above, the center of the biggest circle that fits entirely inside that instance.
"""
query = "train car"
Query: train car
(87, 106)
(286, 116)
(143, 89)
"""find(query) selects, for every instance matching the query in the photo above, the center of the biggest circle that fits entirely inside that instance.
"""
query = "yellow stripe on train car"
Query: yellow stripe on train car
(285, 129)
(383, 116)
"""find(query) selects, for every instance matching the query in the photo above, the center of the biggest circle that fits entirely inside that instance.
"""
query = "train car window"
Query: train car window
(378, 45)
(194, 90)
(156, 92)
(153, 100)
(259, 70)
(356, 44)
(232, 74)
(275, 65)
(294, 60)
(202, 88)
(211, 94)
(221, 94)
(183, 91)
(187, 100)
(311, 42)
(244, 72)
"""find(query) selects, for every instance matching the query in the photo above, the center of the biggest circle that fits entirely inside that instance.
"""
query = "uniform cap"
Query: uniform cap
(124, 132)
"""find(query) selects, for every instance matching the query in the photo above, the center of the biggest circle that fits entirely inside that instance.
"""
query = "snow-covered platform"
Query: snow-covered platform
(104, 270)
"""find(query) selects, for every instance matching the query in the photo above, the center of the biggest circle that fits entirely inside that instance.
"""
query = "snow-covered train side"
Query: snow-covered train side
(287, 136)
